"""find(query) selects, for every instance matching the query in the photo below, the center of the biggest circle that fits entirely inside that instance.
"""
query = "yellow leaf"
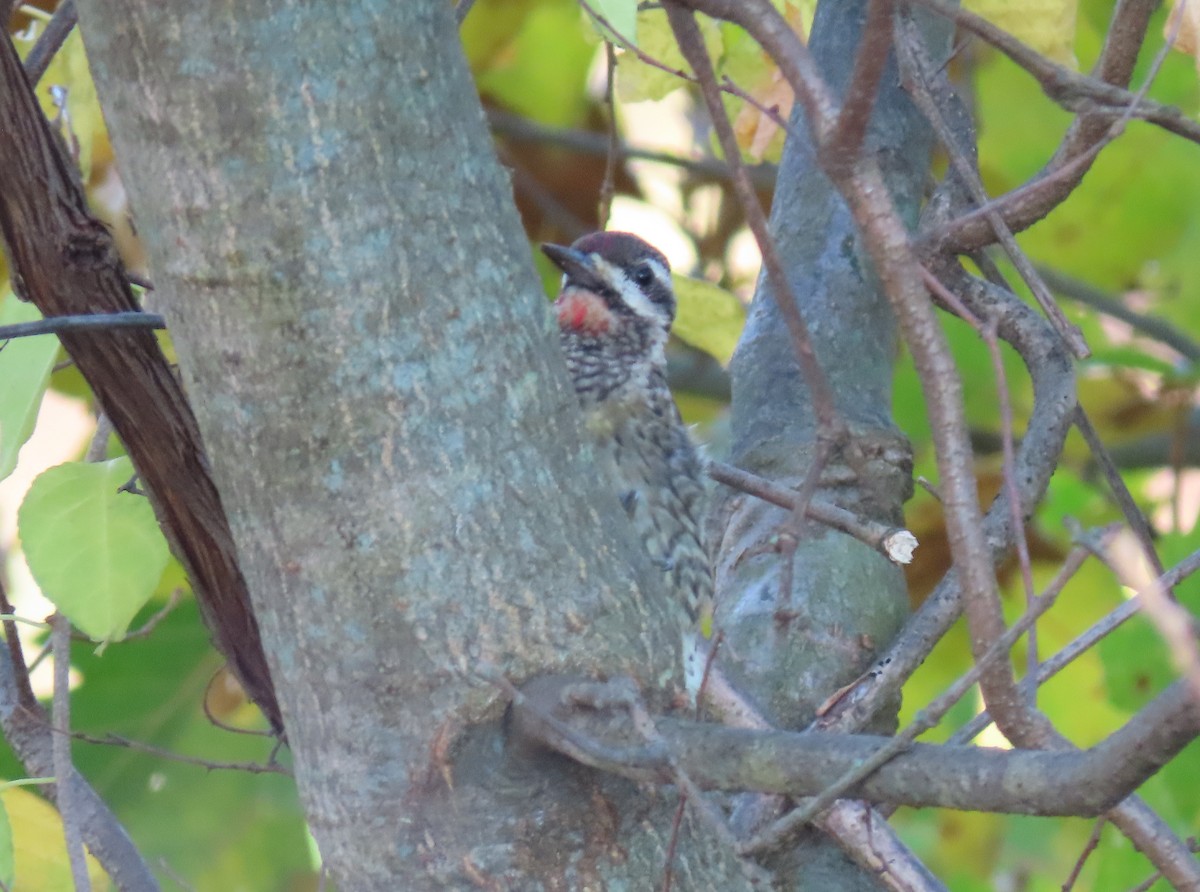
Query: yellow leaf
(757, 125)
(41, 853)
(637, 80)
(1047, 26)
(1188, 38)
(708, 317)
(83, 127)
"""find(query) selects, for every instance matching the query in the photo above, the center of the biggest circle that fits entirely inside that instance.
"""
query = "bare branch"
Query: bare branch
(65, 775)
(1071, 89)
(82, 322)
(691, 44)
(895, 543)
(1151, 326)
(1082, 783)
(589, 142)
(51, 41)
(918, 72)
(850, 131)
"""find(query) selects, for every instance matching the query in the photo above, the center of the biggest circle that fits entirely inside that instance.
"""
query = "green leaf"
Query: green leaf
(220, 830)
(542, 72)
(621, 16)
(708, 317)
(25, 365)
(1047, 26)
(638, 81)
(96, 553)
(1129, 358)
(7, 862)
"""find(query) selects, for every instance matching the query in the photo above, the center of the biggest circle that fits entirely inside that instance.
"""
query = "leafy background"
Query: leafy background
(1132, 231)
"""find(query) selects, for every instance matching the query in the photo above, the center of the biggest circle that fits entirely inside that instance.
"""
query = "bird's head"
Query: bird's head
(613, 281)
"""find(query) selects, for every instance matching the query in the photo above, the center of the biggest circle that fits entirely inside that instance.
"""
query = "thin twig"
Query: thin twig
(53, 37)
(98, 447)
(1087, 640)
(1152, 326)
(83, 322)
(895, 543)
(850, 132)
(64, 769)
(16, 655)
(923, 721)
(730, 88)
(461, 9)
(608, 187)
(916, 67)
(589, 142)
(1070, 89)
(987, 331)
(691, 44)
(210, 764)
(1035, 199)
(1120, 492)
(1090, 846)
(1192, 843)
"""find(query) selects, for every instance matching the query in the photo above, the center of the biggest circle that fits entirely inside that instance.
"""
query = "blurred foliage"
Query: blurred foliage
(1131, 230)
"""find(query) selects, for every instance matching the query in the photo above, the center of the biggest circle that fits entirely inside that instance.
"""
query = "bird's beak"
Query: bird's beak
(580, 269)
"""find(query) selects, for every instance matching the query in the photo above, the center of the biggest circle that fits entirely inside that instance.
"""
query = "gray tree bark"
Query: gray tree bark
(848, 601)
(379, 387)
(378, 383)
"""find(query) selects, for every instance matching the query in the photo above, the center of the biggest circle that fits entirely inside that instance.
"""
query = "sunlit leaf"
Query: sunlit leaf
(709, 317)
(621, 17)
(756, 124)
(541, 73)
(96, 553)
(1187, 38)
(638, 80)
(7, 864)
(38, 848)
(25, 365)
(1047, 26)
(83, 128)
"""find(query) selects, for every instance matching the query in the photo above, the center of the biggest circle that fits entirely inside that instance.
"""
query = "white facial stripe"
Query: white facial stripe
(660, 272)
(631, 292)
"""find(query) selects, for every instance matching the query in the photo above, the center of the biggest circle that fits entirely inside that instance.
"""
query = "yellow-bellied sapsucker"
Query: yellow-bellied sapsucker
(615, 309)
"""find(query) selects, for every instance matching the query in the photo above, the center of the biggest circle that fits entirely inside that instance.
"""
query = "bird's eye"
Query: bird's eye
(643, 275)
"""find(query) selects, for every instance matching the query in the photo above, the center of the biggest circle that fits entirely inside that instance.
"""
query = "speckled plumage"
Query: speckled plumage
(615, 310)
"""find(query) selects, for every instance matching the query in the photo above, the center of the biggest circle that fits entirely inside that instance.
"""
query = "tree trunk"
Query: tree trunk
(846, 599)
(379, 386)
(380, 390)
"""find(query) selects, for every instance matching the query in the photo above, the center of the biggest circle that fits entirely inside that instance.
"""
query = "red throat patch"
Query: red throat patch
(583, 311)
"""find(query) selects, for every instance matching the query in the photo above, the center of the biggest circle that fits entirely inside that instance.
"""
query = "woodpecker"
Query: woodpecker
(615, 310)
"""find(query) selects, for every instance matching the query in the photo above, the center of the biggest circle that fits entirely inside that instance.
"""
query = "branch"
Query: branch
(1152, 326)
(66, 777)
(26, 729)
(894, 543)
(1088, 639)
(691, 44)
(1086, 137)
(51, 41)
(1037, 456)
(850, 132)
(1048, 783)
(82, 322)
(918, 72)
(589, 142)
(63, 260)
(1070, 89)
